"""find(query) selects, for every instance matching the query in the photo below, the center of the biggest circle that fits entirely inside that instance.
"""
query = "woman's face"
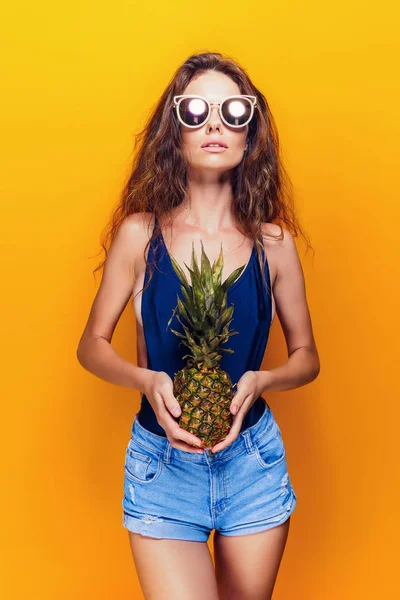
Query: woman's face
(215, 87)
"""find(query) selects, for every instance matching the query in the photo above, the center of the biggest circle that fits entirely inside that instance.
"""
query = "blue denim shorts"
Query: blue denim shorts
(171, 493)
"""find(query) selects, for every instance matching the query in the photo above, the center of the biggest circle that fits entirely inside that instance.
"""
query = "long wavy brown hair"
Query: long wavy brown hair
(262, 190)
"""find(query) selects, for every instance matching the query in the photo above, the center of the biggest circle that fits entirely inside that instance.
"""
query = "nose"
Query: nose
(215, 120)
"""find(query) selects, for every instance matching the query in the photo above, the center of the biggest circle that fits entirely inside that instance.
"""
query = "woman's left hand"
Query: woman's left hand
(247, 392)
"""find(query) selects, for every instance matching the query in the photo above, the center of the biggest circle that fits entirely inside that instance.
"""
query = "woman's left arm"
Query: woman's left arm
(289, 291)
(302, 365)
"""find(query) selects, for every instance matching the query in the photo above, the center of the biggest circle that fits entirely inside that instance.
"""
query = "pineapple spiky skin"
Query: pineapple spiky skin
(204, 390)
(204, 396)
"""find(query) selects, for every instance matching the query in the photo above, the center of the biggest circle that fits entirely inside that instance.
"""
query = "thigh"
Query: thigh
(246, 566)
(171, 569)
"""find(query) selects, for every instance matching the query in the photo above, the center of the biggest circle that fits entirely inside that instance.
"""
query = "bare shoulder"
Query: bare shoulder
(132, 236)
(118, 277)
(136, 224)
(276, 236)
(290, 292)
(280, 248)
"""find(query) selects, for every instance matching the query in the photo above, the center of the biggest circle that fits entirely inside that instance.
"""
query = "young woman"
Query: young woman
(207, 171)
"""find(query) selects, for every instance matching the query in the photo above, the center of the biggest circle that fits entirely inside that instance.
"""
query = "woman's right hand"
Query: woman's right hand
(159, 392)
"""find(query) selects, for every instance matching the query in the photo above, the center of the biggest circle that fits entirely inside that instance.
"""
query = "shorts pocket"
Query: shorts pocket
(270, 449)
(142, 465)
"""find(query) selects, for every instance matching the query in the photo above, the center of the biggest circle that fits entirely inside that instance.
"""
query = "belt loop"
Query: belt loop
(167, 452)
(248, 441)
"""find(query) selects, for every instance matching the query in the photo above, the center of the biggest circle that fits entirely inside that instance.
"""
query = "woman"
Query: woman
(207, 171)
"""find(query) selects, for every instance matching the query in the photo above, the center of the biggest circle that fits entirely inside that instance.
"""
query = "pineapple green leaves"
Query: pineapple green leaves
(203, 312)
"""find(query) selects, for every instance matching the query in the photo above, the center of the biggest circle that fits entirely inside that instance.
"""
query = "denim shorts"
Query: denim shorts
(171, 493)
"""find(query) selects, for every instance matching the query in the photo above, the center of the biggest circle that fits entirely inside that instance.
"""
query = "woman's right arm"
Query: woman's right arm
(95, 352)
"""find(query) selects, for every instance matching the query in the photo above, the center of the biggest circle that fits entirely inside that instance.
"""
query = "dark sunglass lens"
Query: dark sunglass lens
(193, 111)
(236, 111)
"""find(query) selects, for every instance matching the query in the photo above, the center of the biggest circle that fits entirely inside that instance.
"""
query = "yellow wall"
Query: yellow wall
(79, 79)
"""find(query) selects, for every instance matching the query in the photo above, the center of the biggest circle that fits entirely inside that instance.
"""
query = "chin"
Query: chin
(215, 162)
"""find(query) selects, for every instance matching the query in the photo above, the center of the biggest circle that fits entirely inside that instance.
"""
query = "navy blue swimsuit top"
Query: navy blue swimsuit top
(251, 319)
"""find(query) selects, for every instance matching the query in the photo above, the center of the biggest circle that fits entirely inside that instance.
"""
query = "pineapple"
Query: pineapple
(202, 388)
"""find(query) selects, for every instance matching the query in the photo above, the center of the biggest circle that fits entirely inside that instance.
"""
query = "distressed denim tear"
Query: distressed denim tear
(150, 519)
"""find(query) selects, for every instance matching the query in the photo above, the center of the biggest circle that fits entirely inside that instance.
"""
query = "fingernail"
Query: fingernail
(234, 409)
(176, 412)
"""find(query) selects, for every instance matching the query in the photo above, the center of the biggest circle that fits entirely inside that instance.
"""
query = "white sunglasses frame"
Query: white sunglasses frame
(177, 100)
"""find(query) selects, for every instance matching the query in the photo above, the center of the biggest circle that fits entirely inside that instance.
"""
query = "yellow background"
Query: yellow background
(78, 80)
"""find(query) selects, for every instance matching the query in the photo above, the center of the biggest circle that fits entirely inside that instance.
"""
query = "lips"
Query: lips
(208, 142)
(214, 149)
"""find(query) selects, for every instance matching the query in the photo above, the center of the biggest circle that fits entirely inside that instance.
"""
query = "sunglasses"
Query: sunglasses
(194, 111)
